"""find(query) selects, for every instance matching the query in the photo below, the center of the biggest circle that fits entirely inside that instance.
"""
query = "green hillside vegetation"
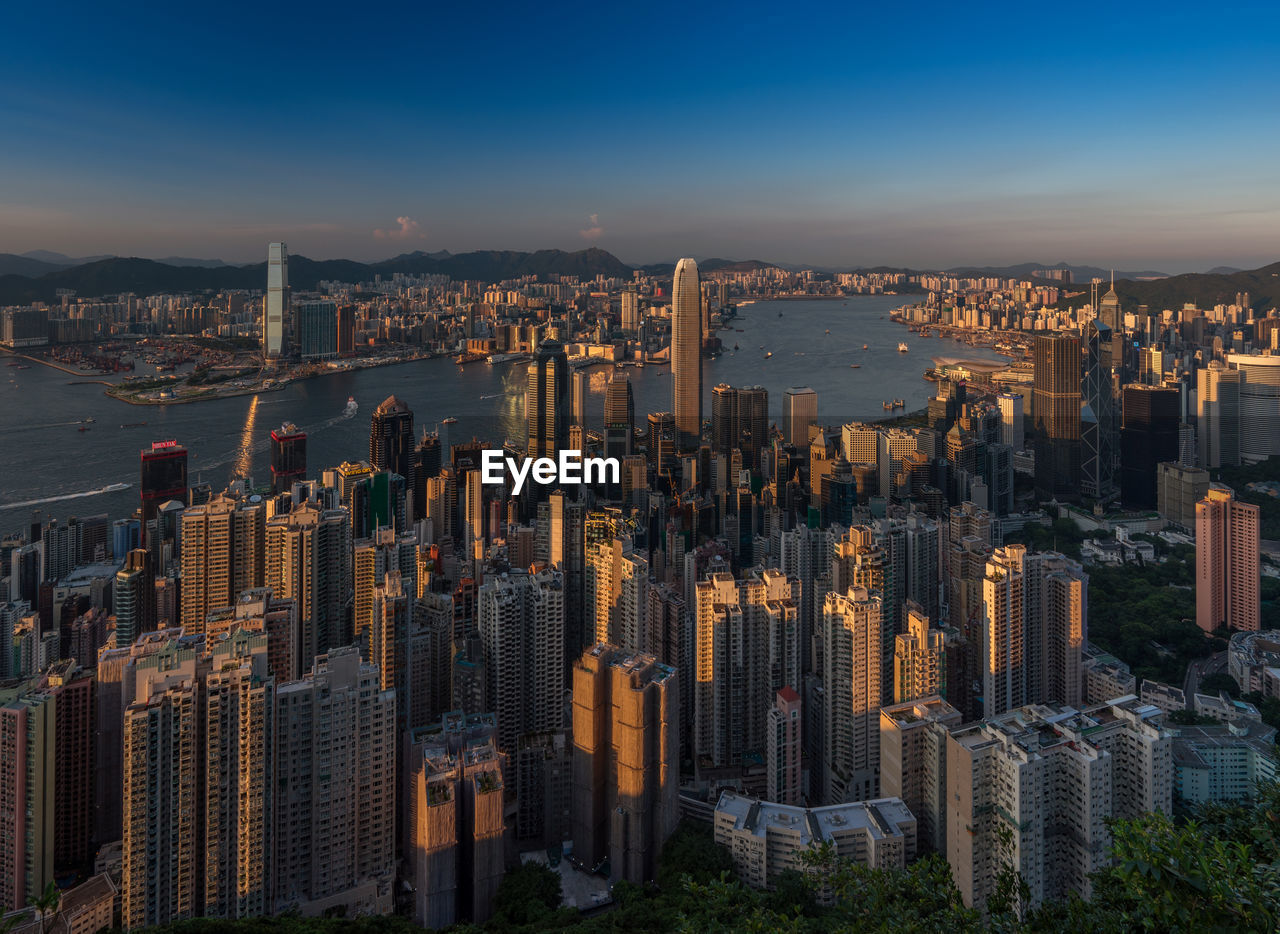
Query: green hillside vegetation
(1203, 289)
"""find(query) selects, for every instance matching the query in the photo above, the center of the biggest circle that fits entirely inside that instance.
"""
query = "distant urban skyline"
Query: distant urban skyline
(832, 137)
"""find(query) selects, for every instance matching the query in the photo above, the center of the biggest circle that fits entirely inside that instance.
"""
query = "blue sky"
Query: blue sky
(1140, 135)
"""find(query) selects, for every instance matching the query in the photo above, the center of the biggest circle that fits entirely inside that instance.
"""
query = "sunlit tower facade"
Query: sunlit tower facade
(686, 353)
(275, 307)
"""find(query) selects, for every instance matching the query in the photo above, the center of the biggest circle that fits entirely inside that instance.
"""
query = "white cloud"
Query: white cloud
(409, 229)
(595, 231)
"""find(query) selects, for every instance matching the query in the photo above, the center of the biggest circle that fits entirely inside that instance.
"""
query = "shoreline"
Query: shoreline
(53, 366)
(257, 390)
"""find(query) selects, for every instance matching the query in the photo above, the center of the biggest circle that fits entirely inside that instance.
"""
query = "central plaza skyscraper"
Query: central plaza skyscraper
(686, 353)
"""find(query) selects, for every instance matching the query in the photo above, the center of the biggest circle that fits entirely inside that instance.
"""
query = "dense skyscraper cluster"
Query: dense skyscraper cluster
(369, 686)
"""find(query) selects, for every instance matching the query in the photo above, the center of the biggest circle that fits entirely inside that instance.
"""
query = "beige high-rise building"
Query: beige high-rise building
(919, 658)
(745, 649)
(1178, 489)
(197, 771)
(1033, 789)
(522, 627)
(1034, 629)
(861, 560)
(913, 763)
(630, 309)
(626, 759)
(852, 631)
(617, 590)
(799, 411)
(1228, 535)
(28, 747)
(243, 797)
(309, 560)
(372, 559)
(458, 836)
(686, 353)
(223, 548)
(238, 720)
(766, 839)
(335, 781)
(783, 758)
(391, 615)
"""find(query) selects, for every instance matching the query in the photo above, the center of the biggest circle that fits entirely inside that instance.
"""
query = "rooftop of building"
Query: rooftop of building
(924, 709)
(1191, 743)
(881, 818)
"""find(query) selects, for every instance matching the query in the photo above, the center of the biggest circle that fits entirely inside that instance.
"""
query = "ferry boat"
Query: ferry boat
(902, 347)
(352, 407)
(449, 421)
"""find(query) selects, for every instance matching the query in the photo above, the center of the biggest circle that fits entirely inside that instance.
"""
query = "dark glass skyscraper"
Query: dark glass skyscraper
(547, 402)
(164, 476)
(619, 417)
(740, 419)
(661, 442)
(391, 445)
(1149, 435)
(1056, 403)
(288, 457)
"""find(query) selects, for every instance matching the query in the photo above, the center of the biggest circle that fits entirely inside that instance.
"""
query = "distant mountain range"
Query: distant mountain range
(113, 275)
(38, 274)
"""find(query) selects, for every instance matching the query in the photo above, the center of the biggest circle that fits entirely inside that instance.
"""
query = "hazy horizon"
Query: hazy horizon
(700, 257)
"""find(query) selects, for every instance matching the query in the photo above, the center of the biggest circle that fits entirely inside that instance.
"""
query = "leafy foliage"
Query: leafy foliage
(528, 894)
(1134, 608)
(1217, 682)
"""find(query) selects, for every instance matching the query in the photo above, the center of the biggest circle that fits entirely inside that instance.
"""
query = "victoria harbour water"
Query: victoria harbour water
(48, 464)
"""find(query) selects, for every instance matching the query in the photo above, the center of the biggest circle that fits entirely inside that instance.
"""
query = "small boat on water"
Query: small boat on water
(83, 428)
(855, 366)
(768, 355)
(352, 407)
(449, 421)
(864, 346)
(902, 347)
